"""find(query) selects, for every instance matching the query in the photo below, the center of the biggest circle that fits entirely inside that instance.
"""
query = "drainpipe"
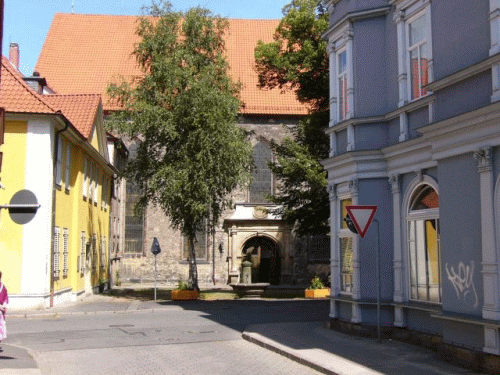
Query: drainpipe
(53, 225)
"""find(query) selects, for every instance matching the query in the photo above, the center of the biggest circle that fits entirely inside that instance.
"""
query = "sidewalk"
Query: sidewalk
(309, 343)
(332, 352)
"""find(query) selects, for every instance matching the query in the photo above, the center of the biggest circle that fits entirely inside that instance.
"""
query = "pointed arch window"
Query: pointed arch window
(262, 182)
(424, 250)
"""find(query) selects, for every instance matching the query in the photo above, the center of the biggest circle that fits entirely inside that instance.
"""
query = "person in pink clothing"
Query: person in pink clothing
(4, 301)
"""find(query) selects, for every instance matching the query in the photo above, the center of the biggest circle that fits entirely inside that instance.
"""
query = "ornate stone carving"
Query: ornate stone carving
(331, 192)
(484, 159)
(330, 6)
(260, 212)
(330, 47)
(398, 16)
(353, 187)
(394, 180)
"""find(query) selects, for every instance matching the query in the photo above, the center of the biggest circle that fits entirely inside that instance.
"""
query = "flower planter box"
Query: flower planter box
(317, 293)
(184, 295)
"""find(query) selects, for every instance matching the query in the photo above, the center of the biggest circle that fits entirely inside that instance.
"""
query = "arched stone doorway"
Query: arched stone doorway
(266, 261)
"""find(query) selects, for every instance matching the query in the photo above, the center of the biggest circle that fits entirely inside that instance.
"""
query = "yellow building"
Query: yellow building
(55, 147)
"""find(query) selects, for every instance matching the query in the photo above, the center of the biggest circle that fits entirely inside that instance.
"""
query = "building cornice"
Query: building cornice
(412, 106)
(464, 73)
(356, 165)
(355, 16)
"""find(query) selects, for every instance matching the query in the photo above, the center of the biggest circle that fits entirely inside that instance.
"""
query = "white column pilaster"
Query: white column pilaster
(490, 270)
(398, 262)
(334, 251)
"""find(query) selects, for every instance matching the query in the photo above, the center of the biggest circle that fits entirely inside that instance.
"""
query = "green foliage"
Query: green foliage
(184, 108)
(118, 281)
(316, 283)
(297, 59)
(183, 285)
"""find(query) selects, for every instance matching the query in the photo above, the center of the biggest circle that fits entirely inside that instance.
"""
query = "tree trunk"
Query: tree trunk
(193, 269)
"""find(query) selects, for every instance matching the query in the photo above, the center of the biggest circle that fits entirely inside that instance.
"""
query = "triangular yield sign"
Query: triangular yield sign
(362, 217)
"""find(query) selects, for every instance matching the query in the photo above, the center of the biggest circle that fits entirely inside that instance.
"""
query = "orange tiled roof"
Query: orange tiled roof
(84, 53)
(79, 109)
(16, 96)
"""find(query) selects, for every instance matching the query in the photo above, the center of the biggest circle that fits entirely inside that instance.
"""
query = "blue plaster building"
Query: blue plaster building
(415, 130)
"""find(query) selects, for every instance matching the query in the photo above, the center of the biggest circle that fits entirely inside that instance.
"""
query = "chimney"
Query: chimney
(14, 55)
(36, 82)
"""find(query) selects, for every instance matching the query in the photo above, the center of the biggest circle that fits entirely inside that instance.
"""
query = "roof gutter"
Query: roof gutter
(54, 190)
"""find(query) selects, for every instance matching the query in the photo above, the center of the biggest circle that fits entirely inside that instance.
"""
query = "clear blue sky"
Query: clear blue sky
(27, 22)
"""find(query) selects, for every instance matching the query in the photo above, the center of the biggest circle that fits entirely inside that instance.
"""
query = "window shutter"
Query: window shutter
(56, 252)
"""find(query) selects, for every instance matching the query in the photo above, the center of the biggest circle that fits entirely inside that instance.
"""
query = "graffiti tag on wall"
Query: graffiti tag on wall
(463, 282)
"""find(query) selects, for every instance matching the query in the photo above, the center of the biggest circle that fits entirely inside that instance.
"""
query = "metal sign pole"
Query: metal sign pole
(155, 277)
(377, 276)
(155, 249)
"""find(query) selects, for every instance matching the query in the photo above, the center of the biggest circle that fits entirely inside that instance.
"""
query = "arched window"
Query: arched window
(423, 245)
(262, 176)
(134, 224)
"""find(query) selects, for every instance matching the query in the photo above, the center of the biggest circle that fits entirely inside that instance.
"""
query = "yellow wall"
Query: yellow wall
(13, 179)
(80, 214)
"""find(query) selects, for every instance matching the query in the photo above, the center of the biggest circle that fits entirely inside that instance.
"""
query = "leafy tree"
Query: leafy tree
(184, 109)
(297, 59)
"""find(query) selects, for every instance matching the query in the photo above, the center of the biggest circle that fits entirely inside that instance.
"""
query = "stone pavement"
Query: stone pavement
(309, 343)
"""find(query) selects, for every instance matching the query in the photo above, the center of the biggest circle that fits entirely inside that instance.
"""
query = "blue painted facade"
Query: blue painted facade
(415, 130)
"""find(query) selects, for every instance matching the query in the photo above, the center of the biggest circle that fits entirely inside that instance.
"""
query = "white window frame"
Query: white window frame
(343, 233)
(59, 161)
(91, 182)
(94, 251)
(96, 184)
(432, 214)
(406, 12)
(339, 42)
(65, 251)
(103, 253)
(67, 166)
(342, 96)
(417, 46)
(85, 177)
(83, 251)
(495, 47)
(56, 266)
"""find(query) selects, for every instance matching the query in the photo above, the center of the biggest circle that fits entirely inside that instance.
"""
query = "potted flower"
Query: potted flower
(317, 289)
(184, 292)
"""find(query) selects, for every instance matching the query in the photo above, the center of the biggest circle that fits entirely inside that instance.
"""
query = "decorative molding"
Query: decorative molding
(398, 16)
(260, 212)
(353, 187)
(464, 73)
(355, 16)
(395, 183)
(484, 160)
(332, 192)
(330, 7)
(420, 175)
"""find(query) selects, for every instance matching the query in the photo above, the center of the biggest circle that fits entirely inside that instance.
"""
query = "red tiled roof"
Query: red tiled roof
(84, 53)
(79, 109)
(16, 96)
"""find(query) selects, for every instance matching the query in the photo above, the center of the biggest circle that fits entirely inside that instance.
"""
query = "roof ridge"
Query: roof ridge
(17, 76)
(139, 15)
